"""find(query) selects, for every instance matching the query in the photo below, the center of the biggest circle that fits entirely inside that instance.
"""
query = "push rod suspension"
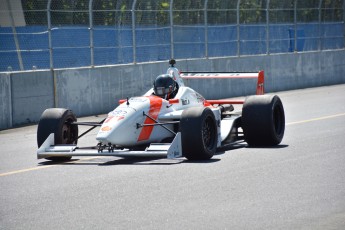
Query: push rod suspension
(157, 123)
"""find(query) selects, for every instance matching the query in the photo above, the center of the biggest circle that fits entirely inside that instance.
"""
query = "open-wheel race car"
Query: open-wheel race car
(170, 120)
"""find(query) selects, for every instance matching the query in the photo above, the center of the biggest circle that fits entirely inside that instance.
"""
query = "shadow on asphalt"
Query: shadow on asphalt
(155, 160)
(268, 147)
(127, 161)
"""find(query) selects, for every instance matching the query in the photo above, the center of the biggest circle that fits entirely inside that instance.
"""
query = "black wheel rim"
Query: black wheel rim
(68, 133)
(278, 120)
(208, 133)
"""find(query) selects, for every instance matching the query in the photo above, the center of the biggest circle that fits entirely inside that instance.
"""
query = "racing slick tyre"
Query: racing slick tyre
(263, 120)
(198, 133)
(57, 121)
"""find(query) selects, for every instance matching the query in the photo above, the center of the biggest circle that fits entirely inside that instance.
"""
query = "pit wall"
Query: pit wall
(92, 91)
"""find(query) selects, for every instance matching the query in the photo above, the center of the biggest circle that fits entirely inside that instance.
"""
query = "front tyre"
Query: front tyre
(263, 120)
(198, 133)
(57, 121)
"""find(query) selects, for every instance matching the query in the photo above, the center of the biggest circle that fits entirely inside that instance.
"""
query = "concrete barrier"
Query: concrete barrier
(91, 91)
(97, 90)
(282, 72)
(24, 96)
(5, 101)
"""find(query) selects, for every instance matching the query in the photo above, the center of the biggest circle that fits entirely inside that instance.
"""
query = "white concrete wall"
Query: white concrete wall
(91, 91)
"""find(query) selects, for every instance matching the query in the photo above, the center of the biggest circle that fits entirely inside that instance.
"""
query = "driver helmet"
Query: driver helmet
(165, 87)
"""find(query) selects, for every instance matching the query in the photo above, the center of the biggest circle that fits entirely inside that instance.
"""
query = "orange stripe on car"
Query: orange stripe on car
(155, 108)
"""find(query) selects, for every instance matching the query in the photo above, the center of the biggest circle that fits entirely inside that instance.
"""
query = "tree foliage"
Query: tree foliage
(156, 12)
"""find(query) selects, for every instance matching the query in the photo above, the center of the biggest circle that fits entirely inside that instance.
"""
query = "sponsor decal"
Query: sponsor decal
(117, 113)
(138, 99)
(199, 98)
(120, 118)
(114, 118)
(108, 119)
(185, 101)
(106, 128)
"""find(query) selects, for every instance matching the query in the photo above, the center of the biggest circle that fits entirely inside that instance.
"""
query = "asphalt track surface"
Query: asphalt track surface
(299, 184)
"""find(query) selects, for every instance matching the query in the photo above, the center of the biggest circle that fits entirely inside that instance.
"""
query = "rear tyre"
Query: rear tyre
(263, 120)
(198, 133)
(57, 121)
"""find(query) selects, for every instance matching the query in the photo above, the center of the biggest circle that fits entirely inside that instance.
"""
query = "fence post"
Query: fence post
(51, 65)
(238, 26)
(15, 37)
(206, 29)
(320, 34)
(91, 33)
(133, 32)
(344, 23)
(171, 29)
(295, 22)
(267, 27)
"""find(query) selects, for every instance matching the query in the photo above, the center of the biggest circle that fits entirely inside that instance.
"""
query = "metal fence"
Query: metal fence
(48, 34)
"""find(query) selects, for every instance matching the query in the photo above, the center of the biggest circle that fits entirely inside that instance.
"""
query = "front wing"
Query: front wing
(49, 149)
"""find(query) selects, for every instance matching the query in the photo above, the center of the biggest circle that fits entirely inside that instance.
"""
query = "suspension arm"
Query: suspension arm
(88, 123)
(157, 123)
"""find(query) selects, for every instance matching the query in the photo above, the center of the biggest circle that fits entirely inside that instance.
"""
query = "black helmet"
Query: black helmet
(164, 86)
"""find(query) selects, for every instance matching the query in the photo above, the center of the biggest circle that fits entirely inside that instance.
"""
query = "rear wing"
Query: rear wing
(222, 75)
(207, 75)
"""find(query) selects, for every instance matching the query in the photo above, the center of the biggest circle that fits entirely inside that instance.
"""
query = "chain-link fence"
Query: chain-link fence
(47, 34)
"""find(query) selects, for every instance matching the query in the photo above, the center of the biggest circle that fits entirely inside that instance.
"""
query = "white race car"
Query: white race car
(170, 120)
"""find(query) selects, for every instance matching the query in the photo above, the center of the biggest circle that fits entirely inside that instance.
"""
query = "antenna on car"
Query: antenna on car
(172, 62)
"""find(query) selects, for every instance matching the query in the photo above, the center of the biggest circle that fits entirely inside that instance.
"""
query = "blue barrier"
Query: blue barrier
(114, 45)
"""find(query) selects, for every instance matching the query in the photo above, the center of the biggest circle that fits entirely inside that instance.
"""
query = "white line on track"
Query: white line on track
(316, 119)
(43, 167)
